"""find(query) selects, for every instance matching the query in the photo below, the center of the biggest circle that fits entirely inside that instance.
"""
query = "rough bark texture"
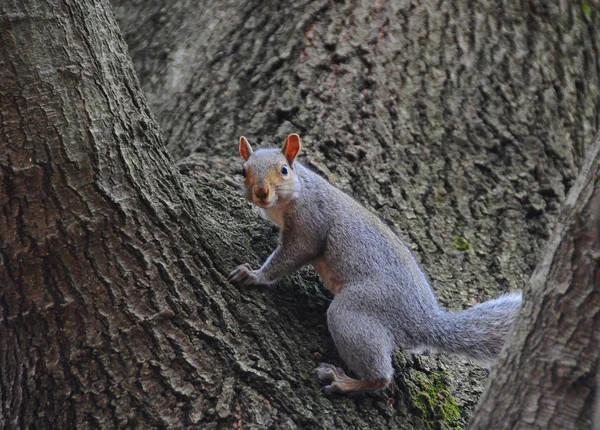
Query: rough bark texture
(547, 375)
(462, 124)
(115, 312)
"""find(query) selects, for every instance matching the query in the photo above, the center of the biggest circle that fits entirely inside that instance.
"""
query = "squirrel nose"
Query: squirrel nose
(261, 193)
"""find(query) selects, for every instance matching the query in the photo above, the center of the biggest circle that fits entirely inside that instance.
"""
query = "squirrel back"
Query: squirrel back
(382, 298)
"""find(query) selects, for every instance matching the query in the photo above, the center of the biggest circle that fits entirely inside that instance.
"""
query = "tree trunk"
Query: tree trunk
(463, 124)
(546, 376)
(115, 311)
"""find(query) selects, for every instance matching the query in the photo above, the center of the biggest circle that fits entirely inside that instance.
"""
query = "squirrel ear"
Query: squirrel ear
(245, 148)
(291, 148)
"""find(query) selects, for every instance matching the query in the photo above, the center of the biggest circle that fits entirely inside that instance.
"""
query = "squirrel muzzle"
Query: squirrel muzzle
(261, 195)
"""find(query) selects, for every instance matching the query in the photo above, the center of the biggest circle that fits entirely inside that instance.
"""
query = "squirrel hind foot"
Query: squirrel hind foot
(342, 383)
(350, 385)
(328, 372)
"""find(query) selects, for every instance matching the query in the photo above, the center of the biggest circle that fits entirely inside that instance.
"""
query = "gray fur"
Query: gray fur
(383, 299)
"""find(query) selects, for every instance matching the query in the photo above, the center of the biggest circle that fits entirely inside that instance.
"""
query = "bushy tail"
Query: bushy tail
(479, 333)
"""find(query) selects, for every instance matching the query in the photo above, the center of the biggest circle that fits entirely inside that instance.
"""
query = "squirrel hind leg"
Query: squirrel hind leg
(364, 344)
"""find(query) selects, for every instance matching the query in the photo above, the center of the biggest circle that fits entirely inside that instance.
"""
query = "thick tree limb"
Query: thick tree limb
(546, 376)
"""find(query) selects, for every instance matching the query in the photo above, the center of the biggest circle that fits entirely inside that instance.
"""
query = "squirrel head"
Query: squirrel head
(269, 174)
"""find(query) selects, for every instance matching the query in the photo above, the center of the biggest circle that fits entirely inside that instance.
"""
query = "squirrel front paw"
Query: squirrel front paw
(244, 276)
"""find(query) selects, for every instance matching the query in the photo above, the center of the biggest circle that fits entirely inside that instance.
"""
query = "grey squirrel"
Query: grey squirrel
(382, 300)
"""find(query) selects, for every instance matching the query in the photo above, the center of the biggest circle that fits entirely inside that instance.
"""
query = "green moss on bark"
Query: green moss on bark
(432, 401)
(462, 244)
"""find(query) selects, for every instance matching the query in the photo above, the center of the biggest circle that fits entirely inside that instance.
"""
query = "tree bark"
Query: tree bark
(115, 309)
(547, 375)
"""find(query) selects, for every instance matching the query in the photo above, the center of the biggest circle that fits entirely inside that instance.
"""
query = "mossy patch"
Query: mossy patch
(431, 400)
(441, 199)
(462, 244)
(586, 7)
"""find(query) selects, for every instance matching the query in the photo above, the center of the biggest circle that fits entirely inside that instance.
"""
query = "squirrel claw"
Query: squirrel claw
(331, 388)
(328, 372)
(242, 276)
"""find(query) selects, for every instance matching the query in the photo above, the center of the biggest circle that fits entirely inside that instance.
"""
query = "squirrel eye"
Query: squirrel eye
(243, 172)
(284, 170)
